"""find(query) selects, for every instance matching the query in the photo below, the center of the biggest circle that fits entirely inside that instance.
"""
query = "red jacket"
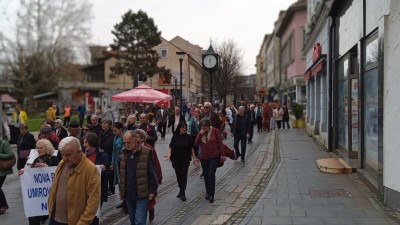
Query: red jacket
(157, 165)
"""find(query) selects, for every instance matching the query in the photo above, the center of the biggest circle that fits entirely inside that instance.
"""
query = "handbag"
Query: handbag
(6, 164)
(23, 154)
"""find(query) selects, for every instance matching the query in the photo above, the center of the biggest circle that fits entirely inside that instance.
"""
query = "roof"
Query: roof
(297, 6)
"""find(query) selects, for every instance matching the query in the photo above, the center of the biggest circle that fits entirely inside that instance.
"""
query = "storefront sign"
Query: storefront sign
(316, 51)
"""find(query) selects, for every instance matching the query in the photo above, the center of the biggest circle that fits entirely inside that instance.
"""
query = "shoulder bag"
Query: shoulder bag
(6, 164)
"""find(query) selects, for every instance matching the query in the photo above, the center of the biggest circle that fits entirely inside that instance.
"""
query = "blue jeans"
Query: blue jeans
(242, 140)
(209, 168)
(53, 222)
(137, 210)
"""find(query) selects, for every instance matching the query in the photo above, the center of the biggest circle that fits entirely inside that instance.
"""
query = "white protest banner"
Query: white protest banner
(35, 185)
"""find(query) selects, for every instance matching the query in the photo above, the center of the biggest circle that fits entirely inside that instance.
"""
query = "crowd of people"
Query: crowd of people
(126, 153)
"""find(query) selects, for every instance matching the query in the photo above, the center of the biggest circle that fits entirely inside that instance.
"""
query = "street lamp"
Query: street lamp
(180, 55)
(175, 91)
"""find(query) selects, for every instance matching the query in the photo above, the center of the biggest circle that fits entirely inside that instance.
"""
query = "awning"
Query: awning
(316, 67)
(7, 98)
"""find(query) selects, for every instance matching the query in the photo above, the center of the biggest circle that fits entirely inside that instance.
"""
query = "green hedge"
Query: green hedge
(35, 123)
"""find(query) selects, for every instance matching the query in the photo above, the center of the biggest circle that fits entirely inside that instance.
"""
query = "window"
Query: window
(164, 53)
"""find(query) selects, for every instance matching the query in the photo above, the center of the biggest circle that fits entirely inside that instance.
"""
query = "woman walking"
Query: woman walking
(5, 153)
(45, 159)
(181, 153)
(212, 152)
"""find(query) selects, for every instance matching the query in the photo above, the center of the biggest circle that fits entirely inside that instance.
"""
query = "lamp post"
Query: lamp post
(180, 57)
(175, 91)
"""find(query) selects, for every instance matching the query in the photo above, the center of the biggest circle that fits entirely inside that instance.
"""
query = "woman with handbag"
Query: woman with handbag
(26, 142)
(46, 158)
(5, 155)
(212, 152)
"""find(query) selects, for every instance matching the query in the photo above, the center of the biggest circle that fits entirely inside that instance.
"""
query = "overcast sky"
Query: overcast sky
(244, 21)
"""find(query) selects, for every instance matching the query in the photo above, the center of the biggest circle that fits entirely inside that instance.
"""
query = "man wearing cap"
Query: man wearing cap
(74, 129)
(45, 133)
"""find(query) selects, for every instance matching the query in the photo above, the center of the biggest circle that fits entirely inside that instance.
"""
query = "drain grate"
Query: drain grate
(333, 193)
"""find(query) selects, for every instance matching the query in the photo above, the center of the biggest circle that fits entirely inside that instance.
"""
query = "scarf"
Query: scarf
(90, 152)
(206, 137)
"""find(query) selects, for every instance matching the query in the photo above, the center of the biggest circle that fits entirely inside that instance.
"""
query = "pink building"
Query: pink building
(293, 64)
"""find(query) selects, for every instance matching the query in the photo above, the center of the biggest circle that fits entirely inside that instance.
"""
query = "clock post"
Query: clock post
(210, 64)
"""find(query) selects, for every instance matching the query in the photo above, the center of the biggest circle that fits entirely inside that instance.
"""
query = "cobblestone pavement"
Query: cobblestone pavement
(279, 184)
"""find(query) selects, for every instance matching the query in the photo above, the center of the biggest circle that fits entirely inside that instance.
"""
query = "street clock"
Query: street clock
(210, 60)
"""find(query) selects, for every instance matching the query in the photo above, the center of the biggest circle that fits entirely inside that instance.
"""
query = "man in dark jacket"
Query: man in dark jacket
(176, 119)
(150, 130)
(212, 116)
(94, 120)
(241, 132)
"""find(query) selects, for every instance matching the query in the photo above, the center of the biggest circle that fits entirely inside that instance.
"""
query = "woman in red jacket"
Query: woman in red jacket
(210, 141)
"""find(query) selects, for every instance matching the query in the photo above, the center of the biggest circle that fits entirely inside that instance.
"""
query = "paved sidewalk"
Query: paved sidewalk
(299, 193)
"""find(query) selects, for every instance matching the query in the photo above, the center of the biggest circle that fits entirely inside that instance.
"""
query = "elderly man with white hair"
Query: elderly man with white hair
(212, 116)
(75, 192)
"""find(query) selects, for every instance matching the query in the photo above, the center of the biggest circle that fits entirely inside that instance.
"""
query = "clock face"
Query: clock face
(210, 61)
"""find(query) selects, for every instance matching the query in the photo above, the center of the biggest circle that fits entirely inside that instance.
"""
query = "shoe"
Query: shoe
(151, 215)
(201, 176)
(211, 199)
(207, 196)
(120, 205)
(3, 209)
(183, 197)
(111, 193)
(179, 195)
(242, 160)
(238, 155)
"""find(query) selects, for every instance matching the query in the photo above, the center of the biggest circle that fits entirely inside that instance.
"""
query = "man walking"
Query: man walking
(138, 180)
(161, 120)
(176, 119)
(212, 116)
(75, 193)
(240, 132)
(81, 113)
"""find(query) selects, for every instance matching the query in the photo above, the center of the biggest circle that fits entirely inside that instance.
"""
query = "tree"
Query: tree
(227, 80)
(135, 38)
(48, 35)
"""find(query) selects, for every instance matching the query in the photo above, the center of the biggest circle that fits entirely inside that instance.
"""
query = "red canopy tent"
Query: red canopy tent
(7, 98)
(141, 94)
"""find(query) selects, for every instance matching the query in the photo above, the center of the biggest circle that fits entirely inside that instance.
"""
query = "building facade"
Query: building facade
(352, 86)
(291, 34)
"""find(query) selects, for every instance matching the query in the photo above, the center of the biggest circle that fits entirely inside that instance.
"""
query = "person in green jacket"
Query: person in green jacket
(5, 153)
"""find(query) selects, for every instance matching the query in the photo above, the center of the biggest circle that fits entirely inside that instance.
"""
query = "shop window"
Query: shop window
(371, 104)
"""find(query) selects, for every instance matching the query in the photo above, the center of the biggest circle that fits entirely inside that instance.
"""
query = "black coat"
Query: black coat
(106, 140)
(150, 132)
(102, 158)
(26, 142)
(171, 122)
(243, 126)
(62, 133)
